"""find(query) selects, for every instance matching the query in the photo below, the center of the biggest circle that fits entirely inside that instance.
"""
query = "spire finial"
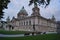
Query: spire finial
(8, 19)
(13, 17)
(53, 18)
(23, 7)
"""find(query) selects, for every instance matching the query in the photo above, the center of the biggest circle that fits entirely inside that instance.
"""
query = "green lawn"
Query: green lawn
(38, 37)
(12, 32)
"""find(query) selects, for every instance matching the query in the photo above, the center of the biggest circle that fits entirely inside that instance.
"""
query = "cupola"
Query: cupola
(22, 13)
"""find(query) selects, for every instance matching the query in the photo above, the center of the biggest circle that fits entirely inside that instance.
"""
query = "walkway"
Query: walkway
(16, 35)
(21, 35)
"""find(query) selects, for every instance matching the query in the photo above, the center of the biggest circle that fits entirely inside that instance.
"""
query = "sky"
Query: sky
(15, 6)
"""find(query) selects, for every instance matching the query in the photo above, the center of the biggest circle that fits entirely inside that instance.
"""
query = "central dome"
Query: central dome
(22, 13)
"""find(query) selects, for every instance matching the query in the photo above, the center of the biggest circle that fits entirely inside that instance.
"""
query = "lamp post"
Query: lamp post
(33, 27)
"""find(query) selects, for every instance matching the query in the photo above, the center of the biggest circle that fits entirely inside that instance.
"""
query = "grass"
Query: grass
(38, 37)
(12, 32)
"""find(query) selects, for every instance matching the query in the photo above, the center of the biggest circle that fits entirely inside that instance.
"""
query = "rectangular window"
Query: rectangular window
(26, 22)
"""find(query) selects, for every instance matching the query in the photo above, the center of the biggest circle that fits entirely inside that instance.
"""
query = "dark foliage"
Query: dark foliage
(39, 2)
(3, 5)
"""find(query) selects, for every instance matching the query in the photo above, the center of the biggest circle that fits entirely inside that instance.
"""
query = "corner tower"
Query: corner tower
(35, 11)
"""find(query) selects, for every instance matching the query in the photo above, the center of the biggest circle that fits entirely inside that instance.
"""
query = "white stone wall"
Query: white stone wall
(41, 25)
(25, 28)
(17, 23)
(36, 21)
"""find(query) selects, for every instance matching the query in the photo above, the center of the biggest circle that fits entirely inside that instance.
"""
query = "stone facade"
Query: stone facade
(35, 22)
(58, 27)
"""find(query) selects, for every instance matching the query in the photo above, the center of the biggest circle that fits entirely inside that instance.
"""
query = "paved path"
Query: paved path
(19, 35)
(16, 35)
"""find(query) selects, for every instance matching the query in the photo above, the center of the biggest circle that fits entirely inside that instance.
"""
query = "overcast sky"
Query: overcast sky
(15, 6)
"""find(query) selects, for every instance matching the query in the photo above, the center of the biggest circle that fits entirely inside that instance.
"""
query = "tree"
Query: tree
(3, 5)
(39, 2)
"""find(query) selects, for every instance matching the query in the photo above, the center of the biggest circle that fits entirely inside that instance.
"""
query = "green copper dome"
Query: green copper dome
(22, 11)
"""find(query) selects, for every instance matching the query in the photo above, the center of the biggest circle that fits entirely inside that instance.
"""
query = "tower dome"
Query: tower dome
(22, 13)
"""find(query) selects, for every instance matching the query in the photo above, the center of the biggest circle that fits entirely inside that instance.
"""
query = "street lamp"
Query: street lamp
(34, 27)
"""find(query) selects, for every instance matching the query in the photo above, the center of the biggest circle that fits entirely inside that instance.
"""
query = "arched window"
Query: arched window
(29, 22)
